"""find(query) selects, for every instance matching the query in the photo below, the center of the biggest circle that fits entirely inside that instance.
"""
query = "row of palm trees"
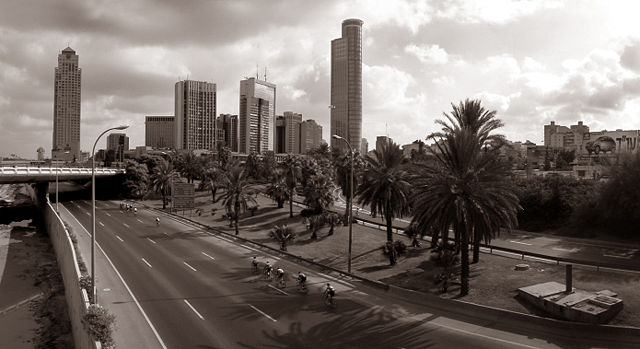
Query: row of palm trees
(460, 187)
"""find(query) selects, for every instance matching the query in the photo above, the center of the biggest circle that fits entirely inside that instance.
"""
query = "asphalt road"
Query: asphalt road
(198, 292)
(623, 256)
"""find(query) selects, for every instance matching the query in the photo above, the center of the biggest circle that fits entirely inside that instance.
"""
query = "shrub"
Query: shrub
(85, 282)
(283, 234)
(99, 324)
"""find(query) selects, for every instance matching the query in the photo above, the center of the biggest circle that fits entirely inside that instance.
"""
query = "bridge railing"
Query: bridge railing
(59, 170)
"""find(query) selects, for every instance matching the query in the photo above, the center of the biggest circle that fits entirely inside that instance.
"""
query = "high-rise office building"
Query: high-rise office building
(119, 143)
(66, 107)
(229, 123)
(381, 140)
(292, 132)
(364, 147)
(346, 85)
(256, 116)
(159, 132)
(310, 135)
(195, 115)
(281, 135)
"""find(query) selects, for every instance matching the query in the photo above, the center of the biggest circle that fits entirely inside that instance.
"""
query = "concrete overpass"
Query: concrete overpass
(48, 174)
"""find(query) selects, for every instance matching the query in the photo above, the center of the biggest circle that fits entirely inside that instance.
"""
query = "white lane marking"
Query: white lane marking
(126, 225)
(107, 213)
(166, 234)
(87, 213)
(484, 336)
(187, 264)
(250, 248)
(337, 280)
(119, 238)
(208, 256)
(520, 242)
(565, 249)
(194, 309)
(147, 263)
(279, 290)
(139, 220)
(151, 240)
(102, 224)
(614, 256)
(261, 312)
(135, 300)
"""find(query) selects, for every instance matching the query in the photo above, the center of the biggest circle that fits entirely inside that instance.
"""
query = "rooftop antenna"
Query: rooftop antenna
(265, 74)
(257, 73)
(386, 127)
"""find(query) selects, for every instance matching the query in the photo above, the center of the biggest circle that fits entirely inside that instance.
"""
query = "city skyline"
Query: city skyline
(418, 57)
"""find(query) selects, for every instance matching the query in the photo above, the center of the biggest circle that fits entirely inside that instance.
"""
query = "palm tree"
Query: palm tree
(464, 187)
(277, 189)
(292, 171)
(210, 178)
(332, 219)
(385, 187)
(189, 166)
(283, 234)
(238, 192)
(342, 164)
(163, 175)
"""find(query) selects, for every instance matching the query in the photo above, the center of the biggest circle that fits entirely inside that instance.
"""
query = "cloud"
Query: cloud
(432, 54)
(493, 11)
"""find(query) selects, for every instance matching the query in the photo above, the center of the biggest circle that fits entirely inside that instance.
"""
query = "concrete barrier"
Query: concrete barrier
(77, 299)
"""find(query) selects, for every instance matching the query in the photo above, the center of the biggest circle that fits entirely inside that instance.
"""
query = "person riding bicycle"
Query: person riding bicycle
(135, 210)
(280, 273)
(267, 269)
(254, 263)
(302, 279)
(157, 220)
(329, 293)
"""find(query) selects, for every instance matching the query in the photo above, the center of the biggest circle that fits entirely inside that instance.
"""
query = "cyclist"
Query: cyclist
(280, 276)
(328, 294)
(302, 280)
(135, 210)
(157, 221)
(254, 264)
(267, 270)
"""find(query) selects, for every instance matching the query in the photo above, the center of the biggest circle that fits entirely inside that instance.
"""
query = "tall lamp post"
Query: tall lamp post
(57, 211)
(93, 212)
(350, 200)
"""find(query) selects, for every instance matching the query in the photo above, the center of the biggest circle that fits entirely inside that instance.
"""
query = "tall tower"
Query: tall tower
(195, 115)
(346, 85)
(256, 118)
(66, 107)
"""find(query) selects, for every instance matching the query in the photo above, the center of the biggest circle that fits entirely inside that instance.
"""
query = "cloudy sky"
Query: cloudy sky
(532, 61)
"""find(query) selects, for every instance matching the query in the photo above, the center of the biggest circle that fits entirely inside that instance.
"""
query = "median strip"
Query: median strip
(263, 313)
(194, 309)
(187, 264)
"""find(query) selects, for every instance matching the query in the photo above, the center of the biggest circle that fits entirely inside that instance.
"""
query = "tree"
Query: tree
(332, 219)
(283, 234)
(465, 187)
(292, 171)
(318, 193)
(162, 177)
(385, 187)
(189, 166)
(136, 182)
(342, 164)
(267, 165)
(277, 188)
(238, 192)
(252, 166)
(320, 152)
(210, 178)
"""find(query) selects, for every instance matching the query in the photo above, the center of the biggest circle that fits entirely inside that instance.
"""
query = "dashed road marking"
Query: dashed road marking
(520, 242)
(151, 240)
(263, 313)
(208, 256)
(102, 224)
(279, 290)
(139, 220)
(194, 309)
(126, 225)
(119, 238)
(147, 263)
(573, 250)
(87, 213)
(187, 264)
(108, 214)
(336, 280)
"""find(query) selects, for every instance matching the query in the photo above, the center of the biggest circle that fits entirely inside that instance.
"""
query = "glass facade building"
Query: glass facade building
(256, 117)
(66, 107)
(346, 85)
(195, 118)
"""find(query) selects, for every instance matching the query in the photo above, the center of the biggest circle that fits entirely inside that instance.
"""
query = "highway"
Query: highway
(197, 289)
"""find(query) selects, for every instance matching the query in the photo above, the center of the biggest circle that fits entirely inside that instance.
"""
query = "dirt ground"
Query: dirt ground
(493, 281)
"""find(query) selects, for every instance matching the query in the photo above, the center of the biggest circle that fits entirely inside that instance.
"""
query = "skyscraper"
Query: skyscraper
(159, 132)
(364, 147)
(119, 143)
(229, 123)
(310, 135)
(256, 116)
(292, 132)
(346, 85)
(195, 115)
(66, 107)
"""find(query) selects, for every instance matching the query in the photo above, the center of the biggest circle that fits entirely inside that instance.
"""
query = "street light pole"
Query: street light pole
(93, 213)
(350, 201)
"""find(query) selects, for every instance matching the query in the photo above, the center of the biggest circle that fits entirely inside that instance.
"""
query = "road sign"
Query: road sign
(182, 195)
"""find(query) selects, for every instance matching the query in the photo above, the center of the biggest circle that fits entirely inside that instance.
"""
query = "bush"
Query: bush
(99, 324)
(399, 247)
(85, 282)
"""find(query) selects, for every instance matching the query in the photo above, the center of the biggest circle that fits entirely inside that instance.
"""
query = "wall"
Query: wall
(77, 300)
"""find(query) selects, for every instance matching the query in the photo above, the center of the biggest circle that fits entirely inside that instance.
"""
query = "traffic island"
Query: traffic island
(573, 305)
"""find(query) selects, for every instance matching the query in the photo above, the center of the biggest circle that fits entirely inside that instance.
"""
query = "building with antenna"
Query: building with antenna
(66, 108)
(346, 85)
(256, 116)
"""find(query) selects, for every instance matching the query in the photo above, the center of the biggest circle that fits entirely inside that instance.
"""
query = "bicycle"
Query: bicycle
(327, 298)
(254, 267)
(281, 282)
(302, 287)
(267, 272)
(157, 222)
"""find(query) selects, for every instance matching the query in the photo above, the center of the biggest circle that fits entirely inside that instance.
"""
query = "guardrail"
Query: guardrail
(54, 170)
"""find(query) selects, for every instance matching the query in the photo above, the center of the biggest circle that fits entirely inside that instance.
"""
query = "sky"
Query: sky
(531, 61)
